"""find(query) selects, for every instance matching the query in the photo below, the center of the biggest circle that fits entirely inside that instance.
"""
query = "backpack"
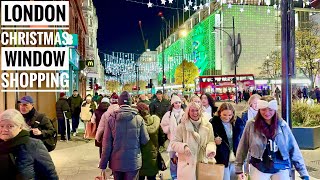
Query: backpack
(49, 142)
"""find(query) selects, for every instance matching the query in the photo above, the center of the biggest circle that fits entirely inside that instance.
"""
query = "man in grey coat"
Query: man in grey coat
(124, 133)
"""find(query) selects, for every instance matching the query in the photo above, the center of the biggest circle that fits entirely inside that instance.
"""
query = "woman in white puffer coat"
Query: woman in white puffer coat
(169, 124)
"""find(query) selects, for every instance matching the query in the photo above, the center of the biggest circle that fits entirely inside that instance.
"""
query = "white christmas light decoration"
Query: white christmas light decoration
(170, 1)
(229, 5)
(241, 9)
(195, 7)
(163, 2)
(190, 3)
(186, 8)
(149, 4)
(200, 6)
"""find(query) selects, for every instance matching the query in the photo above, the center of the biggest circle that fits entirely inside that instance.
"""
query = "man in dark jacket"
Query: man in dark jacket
(41, 125)
(125, 132)
(159, 106)
(75, 102)
(62, 110)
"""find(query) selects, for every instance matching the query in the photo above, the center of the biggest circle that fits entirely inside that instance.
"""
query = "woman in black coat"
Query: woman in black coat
(22, 157)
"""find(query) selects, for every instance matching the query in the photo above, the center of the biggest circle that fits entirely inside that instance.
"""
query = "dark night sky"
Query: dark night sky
(119, 30)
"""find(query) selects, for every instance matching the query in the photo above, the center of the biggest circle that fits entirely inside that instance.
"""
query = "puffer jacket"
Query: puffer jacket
(255, 143)
(150, 150)
(75, 104)
(61, 106)
(125, 132)
(24, 158)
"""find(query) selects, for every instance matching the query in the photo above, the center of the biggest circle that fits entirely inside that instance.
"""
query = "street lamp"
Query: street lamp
(183, 34)
(236, 51)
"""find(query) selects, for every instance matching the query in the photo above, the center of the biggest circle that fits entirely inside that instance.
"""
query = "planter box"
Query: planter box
(307, 137)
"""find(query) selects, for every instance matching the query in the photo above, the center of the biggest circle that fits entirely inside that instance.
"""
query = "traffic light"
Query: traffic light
(91, 83)
(164, 80)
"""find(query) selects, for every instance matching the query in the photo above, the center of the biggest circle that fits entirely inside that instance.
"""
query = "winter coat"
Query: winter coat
(150, 150)
(75, 104)
(186, 136)
(102, 108)
(159, 108)
(24, 158)
(61, 106)
(124, 134)
(103, 121)
(255, 142)
(169, 125)
(223, 150)
(87, 110)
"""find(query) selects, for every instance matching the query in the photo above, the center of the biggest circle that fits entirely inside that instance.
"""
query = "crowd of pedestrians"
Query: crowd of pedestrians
(129, 132)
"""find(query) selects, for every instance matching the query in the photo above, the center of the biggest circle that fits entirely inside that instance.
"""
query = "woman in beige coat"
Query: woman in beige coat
(194, 142)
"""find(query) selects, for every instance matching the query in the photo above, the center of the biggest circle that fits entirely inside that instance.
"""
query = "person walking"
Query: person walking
(63, 116)
(271, 144)
(159, 106)
(121, 146)
(87, 108)
(226, 138)
(75, 106)
(169, 124)
(21, 156)
(277, 94)
(41, 126)
(193, 142)
(96, 117)
(208, 104)
(149, 151)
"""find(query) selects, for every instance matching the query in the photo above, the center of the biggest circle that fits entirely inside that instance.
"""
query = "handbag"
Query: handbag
(90, 132)
(210, 171)
(161, 163)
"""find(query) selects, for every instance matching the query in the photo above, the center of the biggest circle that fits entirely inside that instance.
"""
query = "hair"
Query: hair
(254, 96)
(260, 124)
(211, 102)
(15, 117)
(193, 97)
(143, 109)
(186, 116)
(227, 106)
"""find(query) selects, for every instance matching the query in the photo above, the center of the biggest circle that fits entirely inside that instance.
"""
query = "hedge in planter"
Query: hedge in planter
(306, 123)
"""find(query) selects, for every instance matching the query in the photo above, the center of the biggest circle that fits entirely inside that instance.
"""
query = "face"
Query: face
(254, 104)
(177, 105)
(267, 113)
(194, 113)
(204, 100)
(226, 115)
(149, 96)
(159, 95)
(75, 93)
(8, 130)
(196, 100)
(143, 97)
(25, 108)
(88, 100)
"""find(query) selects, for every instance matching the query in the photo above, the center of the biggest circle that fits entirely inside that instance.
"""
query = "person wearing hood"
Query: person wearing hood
(125, 132)
(169, 124)
(149, 151)
(194, 141)
(21, 156)
(62, 110)
(96, 117)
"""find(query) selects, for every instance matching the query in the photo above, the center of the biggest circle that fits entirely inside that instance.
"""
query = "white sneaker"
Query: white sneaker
(74, 134)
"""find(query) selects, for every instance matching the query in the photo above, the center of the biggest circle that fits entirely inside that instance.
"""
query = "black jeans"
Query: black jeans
(62, 128)
(75, 122)
(131, 175)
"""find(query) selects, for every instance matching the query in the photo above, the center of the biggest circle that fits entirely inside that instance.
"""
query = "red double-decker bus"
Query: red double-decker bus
(219, 86)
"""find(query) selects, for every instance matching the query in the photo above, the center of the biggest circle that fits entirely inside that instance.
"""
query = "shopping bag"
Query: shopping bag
(210, 171)
(90, 132)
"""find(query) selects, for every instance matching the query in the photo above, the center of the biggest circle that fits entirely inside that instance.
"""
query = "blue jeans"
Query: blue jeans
(173, 167)
(230, 173)
(75, 122)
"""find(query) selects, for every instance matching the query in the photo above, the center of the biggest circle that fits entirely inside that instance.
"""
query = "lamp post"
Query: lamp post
(236, 54)
(183, 34)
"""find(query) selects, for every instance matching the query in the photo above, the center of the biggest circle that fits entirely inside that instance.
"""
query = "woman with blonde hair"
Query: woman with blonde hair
(225, 138)
(271, 144)
(193, 141)
(21, 156)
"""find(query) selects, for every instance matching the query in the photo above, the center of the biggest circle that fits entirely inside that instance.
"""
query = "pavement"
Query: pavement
(78, 159)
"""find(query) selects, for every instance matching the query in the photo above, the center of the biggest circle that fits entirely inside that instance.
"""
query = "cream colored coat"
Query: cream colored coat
(169, 126)
(185, 135)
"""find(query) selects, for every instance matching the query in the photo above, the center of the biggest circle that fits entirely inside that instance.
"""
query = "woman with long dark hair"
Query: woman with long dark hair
(208, 104)
(271, 144)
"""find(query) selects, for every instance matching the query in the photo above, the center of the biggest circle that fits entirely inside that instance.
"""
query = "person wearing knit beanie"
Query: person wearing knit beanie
(124, 98)
(114, 98)
(62, 94)
(175, 98)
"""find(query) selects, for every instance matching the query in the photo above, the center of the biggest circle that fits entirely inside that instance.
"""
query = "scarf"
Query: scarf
(176, 114)
(196, 124)
(11, 144)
